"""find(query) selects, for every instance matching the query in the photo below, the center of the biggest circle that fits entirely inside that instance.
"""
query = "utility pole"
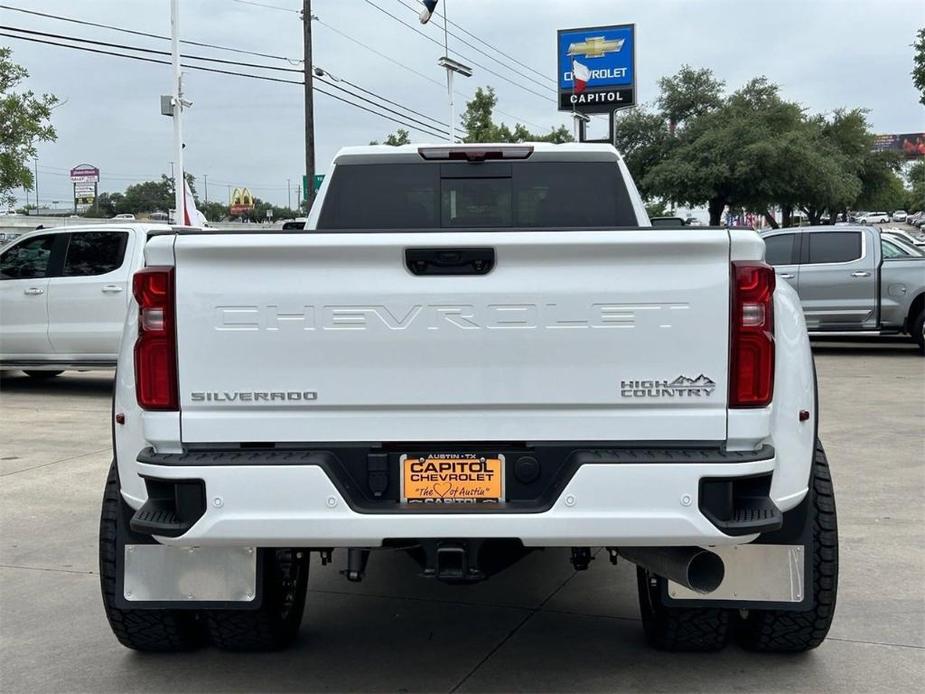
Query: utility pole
(288, 194)
(205, 184)
(36, 162)
(309, 104)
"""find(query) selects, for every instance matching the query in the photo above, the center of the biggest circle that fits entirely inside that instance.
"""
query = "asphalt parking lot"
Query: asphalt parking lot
(537, 627)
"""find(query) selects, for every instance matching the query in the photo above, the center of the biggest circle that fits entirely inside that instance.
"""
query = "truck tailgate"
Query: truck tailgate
(573, 336)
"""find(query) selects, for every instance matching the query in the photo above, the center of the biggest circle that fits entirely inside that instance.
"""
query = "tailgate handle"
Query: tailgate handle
(450, 261)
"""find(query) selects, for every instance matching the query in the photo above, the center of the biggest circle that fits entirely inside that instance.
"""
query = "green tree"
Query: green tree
(152, 196)
(479, 124)
(728, 155)
(214, 211)
(642, 137)
(148, 196)
(399, 137)
(645, 136)
(916, 196)
(24, 121)
(687, 94)
(918, 65)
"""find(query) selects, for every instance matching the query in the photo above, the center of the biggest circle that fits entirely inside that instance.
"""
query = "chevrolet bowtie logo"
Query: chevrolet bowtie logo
(595, 47)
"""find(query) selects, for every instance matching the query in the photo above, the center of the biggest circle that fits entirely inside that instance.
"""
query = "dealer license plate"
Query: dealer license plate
(452, 478)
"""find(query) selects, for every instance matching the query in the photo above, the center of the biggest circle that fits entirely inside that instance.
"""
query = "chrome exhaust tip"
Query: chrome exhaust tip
(695, 568)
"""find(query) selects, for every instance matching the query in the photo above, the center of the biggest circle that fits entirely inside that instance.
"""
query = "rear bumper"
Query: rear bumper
(604, 503)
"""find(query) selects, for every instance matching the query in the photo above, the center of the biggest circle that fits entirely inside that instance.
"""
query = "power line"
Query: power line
(266, 6)
(242, 51)
(153, 51)
(379, 96)
(386, 108)
(415, 125)
(237, 63)
(413, 70)
(487, 55)
(465, 57)
(146, 34)
(145, 60)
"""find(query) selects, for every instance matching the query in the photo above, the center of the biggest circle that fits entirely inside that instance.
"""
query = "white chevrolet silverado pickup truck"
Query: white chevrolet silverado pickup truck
(469, 353)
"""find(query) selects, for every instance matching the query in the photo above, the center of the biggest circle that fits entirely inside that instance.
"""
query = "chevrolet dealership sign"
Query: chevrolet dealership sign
(597, 68)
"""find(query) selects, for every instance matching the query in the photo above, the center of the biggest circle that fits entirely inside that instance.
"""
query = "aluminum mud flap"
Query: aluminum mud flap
(159, 576)
(757, 576)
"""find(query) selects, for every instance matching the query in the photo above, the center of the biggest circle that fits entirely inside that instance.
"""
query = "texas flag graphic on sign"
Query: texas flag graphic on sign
(581, 74)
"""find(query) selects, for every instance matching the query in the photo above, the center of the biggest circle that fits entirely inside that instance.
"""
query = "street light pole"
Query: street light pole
(452, 66)
(178, 181)
(309, 103)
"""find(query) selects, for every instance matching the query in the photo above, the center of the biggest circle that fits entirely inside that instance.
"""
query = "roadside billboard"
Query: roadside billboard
(84, 179)
(84, 173)
(241, 201)
(597, 68)
(912, 145)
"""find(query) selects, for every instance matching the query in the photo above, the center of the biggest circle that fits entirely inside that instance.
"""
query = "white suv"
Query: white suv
(875, 218)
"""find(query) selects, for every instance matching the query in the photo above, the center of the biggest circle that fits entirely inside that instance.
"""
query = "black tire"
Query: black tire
(275, 624)
(42, 375)
(142, 630)
(679, 628)
(918, 330)
(778, 631)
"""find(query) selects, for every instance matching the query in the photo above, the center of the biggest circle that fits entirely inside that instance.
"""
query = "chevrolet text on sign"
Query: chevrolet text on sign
(597, 68)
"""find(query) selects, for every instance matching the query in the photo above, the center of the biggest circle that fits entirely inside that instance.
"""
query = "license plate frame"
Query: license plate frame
(443, 478)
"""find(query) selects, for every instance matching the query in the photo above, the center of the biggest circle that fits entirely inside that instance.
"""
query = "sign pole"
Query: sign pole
(178, 182)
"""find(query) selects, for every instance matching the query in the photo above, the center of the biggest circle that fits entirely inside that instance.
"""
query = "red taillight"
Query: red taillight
(751, 368)
(156, 347)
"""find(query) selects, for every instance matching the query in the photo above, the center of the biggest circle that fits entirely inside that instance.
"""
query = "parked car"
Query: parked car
(842, 284)
(63, 296)
(125, 217)
(914, 236)
(874, 218)
(469, 353)
(899, 216)
(894, 246)
(669, 222)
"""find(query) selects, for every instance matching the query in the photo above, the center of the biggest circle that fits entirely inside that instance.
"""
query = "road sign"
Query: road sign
(606, 58)
(84, 173)
(319, 179)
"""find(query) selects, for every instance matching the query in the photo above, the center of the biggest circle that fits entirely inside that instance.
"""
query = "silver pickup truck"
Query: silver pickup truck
(845, 283)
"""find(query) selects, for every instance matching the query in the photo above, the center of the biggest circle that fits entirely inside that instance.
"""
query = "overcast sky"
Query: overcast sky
(824, 54)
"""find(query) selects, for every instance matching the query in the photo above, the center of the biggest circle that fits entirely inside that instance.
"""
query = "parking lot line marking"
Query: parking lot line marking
(43, 568)
(55, 462)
